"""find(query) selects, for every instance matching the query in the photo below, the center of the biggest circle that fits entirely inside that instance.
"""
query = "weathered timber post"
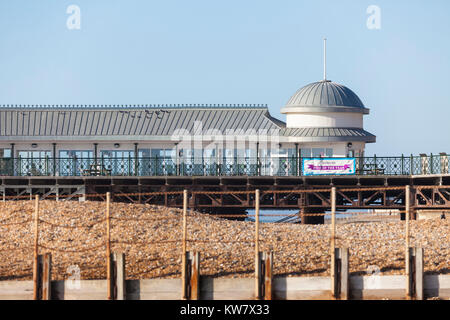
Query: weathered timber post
(265, 267)
(418, 265)
(36, 251)
(41, 277)
(334, 289)
(109, 280)
(257, 257)
(414, 277)
(191, 282)
(345, 274)
(117, 273)
(407, 249)
(184, 294)
(340, 271)
(268, 267)
(45, 266)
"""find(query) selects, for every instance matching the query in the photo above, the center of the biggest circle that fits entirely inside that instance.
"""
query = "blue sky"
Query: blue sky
(248, 51)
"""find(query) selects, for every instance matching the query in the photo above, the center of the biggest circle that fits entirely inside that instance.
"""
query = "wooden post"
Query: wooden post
(42, 278)
(36, 251)
(194, 280)
(333, 244)
(118, 275)
(419, 284)
(415, 286)
(184, 295)
(191, 270)
(410, 275)
(257, 260)
(265, 267)
(335, 274)
(110, 287)
(407, 249)
(46, 267)
(344, 274)
(340, 274)
(268, 261)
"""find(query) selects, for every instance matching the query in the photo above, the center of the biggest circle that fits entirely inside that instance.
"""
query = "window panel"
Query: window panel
(305, 152)
(318, 152)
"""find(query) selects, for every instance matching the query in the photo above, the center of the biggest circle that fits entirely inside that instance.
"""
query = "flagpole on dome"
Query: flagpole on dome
(324, 59)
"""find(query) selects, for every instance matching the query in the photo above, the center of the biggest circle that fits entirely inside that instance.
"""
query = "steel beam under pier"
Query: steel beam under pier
(236, 194)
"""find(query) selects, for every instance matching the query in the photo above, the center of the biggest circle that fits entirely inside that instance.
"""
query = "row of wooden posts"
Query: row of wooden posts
(115, 263)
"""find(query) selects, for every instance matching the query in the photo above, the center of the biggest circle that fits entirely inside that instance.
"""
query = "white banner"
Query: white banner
(328, 166)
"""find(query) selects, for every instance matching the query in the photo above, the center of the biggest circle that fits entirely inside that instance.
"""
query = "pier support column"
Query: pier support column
(312, 219)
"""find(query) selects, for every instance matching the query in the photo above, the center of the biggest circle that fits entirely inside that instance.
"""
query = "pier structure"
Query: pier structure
(235, 194)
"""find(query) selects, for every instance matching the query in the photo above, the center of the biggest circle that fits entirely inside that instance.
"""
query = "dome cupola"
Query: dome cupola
(324, 96)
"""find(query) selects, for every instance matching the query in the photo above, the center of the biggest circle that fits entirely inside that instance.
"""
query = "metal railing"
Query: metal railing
(212, 166)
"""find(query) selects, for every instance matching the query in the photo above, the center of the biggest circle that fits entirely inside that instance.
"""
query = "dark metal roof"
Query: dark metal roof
(140, 123)
(325, 94)
(77, 122)
(329, 134)
(130, 106)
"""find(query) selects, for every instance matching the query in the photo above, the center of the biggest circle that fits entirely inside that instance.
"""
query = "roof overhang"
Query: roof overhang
(322, 109)
(175, 139)
(370, 139)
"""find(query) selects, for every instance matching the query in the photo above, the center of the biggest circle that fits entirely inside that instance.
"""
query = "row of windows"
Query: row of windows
(167, 153)
(159, 161)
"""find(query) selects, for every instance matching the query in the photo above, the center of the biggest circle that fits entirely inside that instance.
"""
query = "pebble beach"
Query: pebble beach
(151, 238)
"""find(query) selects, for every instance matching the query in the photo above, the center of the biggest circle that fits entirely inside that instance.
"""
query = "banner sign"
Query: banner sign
(328, 166)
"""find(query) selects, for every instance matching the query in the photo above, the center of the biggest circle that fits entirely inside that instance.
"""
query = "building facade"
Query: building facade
(323, 119)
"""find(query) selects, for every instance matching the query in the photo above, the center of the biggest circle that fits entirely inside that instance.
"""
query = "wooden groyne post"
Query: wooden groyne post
(257, 260)
(36, 250)
(184, 293)
(110, 285)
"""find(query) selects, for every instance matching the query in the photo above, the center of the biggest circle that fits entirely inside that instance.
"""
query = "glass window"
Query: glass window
(34, 163)
(306, 152)
(163, 153)
(79, 154)
(144, 153)
(250, 153)
(291, 152)
(34, 154)
(75, 162)
(230, 153)
(6, 165)
(117, 162)
(209, 153)
(157, 153)
(329, 152)
(5, 153)
(265, 152)
(317, 152)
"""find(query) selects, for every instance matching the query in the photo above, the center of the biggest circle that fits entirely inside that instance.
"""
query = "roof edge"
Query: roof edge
(131, 106)
(322, 109)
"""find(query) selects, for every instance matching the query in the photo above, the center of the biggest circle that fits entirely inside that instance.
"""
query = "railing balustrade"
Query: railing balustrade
(212, 166)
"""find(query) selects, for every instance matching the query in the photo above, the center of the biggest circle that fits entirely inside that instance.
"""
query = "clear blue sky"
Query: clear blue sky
(247, 51)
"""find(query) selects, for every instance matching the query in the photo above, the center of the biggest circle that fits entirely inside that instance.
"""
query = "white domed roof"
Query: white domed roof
(325, 96)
